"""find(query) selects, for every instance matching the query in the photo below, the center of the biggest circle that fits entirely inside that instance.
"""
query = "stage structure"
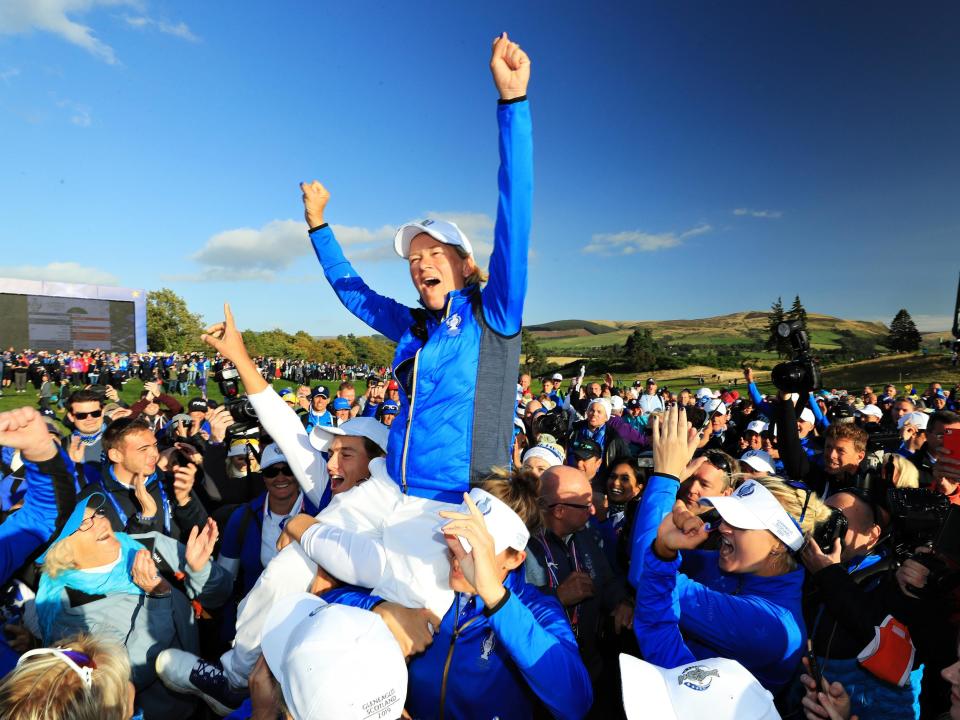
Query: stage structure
(43, 315)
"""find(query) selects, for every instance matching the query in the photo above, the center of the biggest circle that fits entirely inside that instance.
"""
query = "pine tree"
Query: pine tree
(904, 336)
(535, 359)
(774, 318)
(798, 312)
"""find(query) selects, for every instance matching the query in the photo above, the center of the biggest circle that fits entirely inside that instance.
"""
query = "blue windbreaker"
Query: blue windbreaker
(456, 407)
(495, 666)
(755, 620)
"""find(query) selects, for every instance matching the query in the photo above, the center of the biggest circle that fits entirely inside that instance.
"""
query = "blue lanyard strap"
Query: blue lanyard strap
(164, 501)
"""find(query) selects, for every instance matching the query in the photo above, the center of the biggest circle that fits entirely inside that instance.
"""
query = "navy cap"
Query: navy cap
(632, 403)
(585, 448)
(198, 405)
(95, 500)
(320, 390)
(389, 407)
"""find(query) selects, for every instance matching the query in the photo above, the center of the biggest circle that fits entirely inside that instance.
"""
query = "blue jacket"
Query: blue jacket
(456, 411)
(704, 612)
(495, 665)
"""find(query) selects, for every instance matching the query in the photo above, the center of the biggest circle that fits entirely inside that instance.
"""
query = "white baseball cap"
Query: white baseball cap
(440, 230)
(717, 688)
(502, 522)
(806, 415)
(557, 376)
(714, 404)
(918, 419)
(757, 426)
(544, 452)
(616, 403)
(322, 436)
(704, 393)
(759, 461)
(872, 411)
(307, 643)
(271, 456)
(753, 507)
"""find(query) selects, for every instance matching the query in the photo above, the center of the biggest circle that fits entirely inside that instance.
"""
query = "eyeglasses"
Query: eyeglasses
(88, 522)
(578, 506)
(274, 470)
(85, 415)
(82, 664)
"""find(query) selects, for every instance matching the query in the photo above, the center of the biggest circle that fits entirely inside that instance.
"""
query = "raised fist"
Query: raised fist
(315, 198)
(510, 67)
(26, 430)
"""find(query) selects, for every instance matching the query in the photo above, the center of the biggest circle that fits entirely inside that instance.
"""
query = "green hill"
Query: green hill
(746, 329)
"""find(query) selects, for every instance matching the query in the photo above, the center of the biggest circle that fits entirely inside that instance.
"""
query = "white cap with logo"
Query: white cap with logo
(502, 522)
(718, 688)
(753, 507)
(271, 456)
(307, 643)
(759, 461)
(918, 419)
(806, 415)
(440, 230)
(756, 426)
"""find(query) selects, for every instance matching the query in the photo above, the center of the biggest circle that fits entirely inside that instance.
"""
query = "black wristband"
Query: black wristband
(512, 100)
(664, 475)
(503, 601)
(312, 230)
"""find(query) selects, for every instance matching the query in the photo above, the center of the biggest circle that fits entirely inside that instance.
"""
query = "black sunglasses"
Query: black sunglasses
(718, 461)
(85, 415)
(578, 506)
(87, 523)
(274, 470)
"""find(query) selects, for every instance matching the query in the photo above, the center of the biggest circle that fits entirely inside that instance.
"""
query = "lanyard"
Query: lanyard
(165, 503)
(554, 580)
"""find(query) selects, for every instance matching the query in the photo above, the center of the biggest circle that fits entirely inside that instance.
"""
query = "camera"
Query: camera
(801, 374)
(241, 410)
(922, 517)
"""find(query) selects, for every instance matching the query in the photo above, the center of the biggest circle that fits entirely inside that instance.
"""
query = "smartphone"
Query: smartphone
(951, 442)
(814, 666)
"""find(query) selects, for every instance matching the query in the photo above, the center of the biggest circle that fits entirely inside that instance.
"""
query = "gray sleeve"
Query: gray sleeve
(536, 572)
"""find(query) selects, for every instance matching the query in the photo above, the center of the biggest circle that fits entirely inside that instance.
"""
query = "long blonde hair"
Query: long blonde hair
(60, 557)
(45, 687)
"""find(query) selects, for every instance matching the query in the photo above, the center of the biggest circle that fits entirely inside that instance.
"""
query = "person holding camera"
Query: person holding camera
(742, 601)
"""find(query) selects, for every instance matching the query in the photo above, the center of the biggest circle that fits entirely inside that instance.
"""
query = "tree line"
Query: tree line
(171, 327)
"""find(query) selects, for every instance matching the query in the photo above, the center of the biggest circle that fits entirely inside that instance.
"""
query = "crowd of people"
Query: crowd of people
(454, 544)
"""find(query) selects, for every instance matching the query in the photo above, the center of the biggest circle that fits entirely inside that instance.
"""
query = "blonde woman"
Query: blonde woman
(742, 601)
(81, 678)
(98, 581)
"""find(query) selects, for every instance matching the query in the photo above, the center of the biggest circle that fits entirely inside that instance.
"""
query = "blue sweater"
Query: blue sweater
(456, 412)
(704, 612)
(482, 666)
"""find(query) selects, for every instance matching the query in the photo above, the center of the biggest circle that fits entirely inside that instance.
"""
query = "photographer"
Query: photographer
(850, 592)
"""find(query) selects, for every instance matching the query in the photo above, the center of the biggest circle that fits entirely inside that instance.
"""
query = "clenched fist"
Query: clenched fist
(315, 198)
(510, 67)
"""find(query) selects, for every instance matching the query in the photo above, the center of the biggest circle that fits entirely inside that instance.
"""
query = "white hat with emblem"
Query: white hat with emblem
(503, 524)
(441, 230)
(718, 688)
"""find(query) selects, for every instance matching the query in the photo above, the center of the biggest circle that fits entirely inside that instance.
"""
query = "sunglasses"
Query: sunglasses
(718, 461)
(88, 522)
(85, 415)
(274, 470)
(578, 506)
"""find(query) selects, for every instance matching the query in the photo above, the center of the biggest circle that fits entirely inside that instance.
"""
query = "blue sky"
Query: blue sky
(692, 158)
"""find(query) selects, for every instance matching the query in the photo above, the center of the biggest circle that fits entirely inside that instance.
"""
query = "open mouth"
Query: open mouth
(431, 282)
(282, 485)
(615, 494)
(726, 547)
(336, 482)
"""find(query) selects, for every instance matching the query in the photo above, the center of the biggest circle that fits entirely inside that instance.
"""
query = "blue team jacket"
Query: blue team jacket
(457, 395)
(495, 666)
(702, 612)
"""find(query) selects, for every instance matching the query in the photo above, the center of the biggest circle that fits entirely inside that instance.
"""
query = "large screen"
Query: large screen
(43, 322)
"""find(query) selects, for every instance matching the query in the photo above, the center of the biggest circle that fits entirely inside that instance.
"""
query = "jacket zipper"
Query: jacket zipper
(413, 398)
(446, 665)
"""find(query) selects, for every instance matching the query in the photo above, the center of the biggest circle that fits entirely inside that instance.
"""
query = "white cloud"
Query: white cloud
(24, 16)
(630, 242)
(260, 255)
(8, 74)
(79, 113)
(60, 272)
(769, 214)
(180, 29)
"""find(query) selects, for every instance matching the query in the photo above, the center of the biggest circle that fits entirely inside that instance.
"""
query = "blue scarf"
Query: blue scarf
(117, 580)
(90, 439)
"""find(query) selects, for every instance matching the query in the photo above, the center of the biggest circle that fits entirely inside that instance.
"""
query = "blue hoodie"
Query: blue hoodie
(495, 665)
(703, 612)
